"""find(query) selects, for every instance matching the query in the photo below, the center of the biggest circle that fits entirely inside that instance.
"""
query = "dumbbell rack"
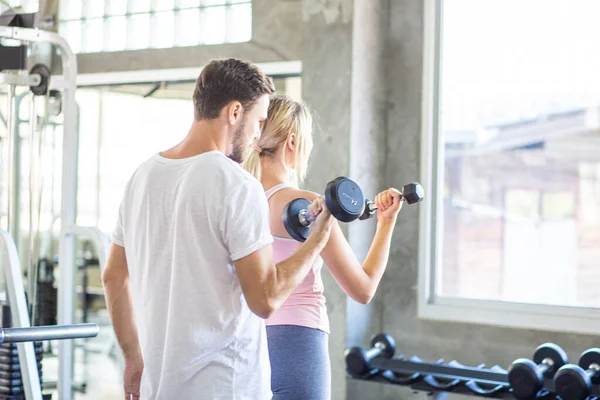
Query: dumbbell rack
(438, 379)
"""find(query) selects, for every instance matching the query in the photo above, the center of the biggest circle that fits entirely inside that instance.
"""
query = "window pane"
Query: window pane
(187, 28)
(71, 31)
(29, 6)
(70, 9)
(213, 2)
(163, 30)
(137, 6)
(188, 3)
(213, 26)
(116, 32)
(93, 8)
(138, 32)
(558, 206)
(116, 7)
(240, 23)
(163, 5)
(93, 36)
(522, 187)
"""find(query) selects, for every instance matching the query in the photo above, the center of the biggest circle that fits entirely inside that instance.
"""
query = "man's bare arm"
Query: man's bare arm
(267, 285)
(115, 279)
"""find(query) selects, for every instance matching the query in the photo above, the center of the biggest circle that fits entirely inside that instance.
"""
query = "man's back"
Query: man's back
(183, 222)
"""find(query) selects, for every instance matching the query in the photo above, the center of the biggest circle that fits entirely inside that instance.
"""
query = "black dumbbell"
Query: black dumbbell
(526, 377)
(573, 382)
(358, 360)
(343, 198)
(412, 193)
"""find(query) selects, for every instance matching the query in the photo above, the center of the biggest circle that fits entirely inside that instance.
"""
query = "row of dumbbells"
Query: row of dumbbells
(525, 378)
(346, 202)
(571, 382)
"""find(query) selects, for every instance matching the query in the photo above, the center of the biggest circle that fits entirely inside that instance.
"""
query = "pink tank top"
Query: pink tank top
(306, 305)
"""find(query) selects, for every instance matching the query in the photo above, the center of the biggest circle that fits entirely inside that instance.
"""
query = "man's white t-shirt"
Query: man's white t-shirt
(183, 222)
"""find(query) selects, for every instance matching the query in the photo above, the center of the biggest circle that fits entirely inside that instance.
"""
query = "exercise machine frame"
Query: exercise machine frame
(68, 228)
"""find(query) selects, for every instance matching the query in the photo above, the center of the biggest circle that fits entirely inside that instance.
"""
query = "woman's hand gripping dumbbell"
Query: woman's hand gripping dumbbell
(411, 193)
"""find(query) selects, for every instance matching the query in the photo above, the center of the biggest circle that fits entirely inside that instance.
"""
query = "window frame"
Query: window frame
(430, 306)
(228, 7)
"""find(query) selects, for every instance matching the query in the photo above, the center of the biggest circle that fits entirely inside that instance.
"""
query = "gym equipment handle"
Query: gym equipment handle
(53, 332)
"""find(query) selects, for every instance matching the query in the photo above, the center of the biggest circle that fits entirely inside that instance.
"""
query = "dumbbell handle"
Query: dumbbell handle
(305, 217)
(375, 351)
(545, 365)
(369, 211)
(593, 370)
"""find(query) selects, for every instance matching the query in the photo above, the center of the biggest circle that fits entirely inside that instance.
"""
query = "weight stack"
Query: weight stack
(47, 300)
(11, 384)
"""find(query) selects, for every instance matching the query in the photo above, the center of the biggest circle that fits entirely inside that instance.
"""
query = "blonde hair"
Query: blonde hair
(285, 117)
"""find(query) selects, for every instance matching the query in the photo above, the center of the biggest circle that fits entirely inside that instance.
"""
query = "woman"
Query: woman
(298, 332)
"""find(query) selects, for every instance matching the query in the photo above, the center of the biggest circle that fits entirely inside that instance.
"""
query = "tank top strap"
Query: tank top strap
(275, 189)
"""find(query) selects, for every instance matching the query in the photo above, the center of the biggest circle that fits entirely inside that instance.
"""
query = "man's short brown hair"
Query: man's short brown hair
(224, 81)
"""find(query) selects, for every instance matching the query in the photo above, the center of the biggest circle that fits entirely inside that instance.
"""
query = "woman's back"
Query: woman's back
(306, 305)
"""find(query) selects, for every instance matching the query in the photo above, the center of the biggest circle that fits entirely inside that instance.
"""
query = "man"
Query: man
(190, 272)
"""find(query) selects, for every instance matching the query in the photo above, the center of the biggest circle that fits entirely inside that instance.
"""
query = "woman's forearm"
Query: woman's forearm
(378, 256)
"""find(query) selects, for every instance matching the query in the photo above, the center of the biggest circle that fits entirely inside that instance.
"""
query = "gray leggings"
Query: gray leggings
(300, 366)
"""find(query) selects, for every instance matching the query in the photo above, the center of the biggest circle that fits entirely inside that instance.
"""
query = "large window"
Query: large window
(114, 25)
(512, 144)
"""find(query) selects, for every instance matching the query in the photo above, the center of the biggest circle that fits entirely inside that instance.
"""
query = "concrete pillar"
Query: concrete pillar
(367, 158)
(326, 87)
(48, 15)
(343, 82)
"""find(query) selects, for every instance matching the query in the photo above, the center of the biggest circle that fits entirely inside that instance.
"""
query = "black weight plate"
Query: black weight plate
(413, 192)
(15, 359)
(344, 199)
(10, 382)
(387, 341)
(15, 367)
(525, 378)
(10, 375)
(572, 383)
(14, 345)
(44, 73)
(553, 352)
(291, 222)
(10, 390)
(15, 352)
(356, 362)
(589, 357)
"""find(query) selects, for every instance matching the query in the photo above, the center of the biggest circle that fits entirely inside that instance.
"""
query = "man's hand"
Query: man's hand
(132, 377)
(322, 225)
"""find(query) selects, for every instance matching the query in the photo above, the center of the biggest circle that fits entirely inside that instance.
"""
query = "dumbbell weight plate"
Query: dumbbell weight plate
(292, 223)
(413, 192)
(344, 199)
(356, 363)
(553, 352)
(572, 383)
(589, 357)
(387, 341)
(524, 378)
